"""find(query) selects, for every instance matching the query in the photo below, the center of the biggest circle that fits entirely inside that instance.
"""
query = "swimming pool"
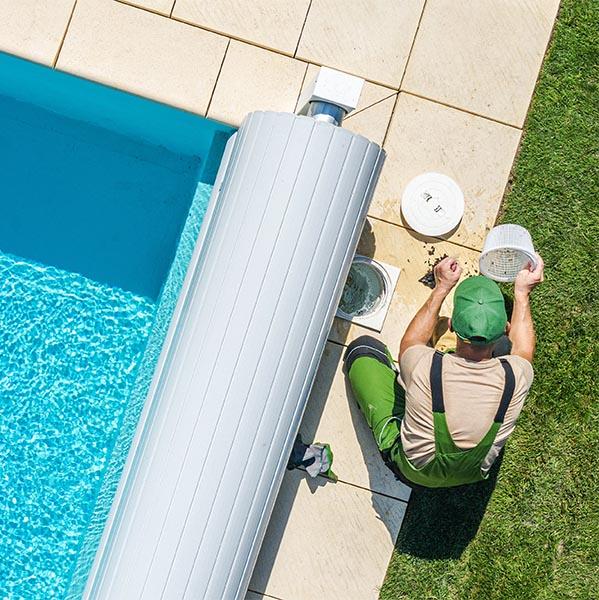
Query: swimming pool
(103, 194)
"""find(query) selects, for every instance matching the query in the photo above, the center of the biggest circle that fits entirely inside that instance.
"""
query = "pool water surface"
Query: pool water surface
(71, 352)
(98, 225)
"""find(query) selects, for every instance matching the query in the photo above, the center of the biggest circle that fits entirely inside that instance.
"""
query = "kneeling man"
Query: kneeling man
(442, 419)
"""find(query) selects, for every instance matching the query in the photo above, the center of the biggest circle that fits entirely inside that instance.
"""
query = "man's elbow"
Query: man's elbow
(526, 352)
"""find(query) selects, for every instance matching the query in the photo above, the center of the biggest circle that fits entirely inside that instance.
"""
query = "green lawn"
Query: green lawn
(532, 531)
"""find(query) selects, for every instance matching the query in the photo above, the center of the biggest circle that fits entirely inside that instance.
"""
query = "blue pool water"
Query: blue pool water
(102, 195)
(90, 200)
(70, 354)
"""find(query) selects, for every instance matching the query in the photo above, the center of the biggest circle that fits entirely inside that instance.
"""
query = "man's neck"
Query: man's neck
(475, 353)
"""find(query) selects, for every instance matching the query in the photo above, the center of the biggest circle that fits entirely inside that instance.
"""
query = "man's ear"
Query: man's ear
(507, 328)
(451, 326)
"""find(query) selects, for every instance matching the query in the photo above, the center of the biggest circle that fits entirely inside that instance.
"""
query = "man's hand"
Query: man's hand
(529, 278)
(447, 274)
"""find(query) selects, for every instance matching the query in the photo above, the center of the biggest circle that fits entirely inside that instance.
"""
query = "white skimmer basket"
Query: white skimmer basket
(506, 251)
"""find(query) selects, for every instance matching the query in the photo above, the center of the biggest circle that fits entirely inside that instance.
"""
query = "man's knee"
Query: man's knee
(503, 346)
(365, 340)
(369, 346)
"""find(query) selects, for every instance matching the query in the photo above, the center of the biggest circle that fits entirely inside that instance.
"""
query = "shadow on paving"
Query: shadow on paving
(440, 523)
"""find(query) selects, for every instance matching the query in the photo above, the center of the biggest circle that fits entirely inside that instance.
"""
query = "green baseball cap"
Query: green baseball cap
(478, 311)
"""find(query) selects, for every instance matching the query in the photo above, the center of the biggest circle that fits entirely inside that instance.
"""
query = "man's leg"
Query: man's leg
(373, 377)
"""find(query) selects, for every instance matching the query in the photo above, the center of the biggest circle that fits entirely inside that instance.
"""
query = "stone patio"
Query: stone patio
(448, 86)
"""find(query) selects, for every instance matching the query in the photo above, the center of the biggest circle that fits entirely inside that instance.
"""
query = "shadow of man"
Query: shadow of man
(440, 523)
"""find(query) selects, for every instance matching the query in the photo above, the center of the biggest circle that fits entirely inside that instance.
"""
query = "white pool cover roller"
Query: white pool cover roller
(240, 357)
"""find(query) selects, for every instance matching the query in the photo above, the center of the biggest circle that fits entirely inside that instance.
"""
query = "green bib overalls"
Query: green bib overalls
(452, 466)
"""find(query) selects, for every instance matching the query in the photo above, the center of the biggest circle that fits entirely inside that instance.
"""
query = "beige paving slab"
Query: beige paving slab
(143, 53)
(372, 122)
(371, 92)
(367, 38)
(332, 416)
(326, 541)
(253, 78)
(477, 153)
(34, 29)
(272, 23)
(482, 56)
(163, 7)
(415, 255)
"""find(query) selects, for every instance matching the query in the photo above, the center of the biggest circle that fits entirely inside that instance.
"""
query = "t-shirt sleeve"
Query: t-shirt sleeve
(410, 359)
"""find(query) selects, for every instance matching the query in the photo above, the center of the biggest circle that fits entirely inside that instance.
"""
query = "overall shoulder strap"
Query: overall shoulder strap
(436, 382)
(508, 391)
(444, 443)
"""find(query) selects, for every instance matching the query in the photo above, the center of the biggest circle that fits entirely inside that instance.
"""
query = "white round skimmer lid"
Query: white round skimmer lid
(432, 204)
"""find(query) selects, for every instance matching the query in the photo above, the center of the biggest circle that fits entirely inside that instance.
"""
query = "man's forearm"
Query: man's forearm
(522, 333)
(422, 326)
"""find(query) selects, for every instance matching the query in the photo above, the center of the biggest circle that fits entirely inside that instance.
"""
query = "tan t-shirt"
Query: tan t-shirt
(471, 392)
